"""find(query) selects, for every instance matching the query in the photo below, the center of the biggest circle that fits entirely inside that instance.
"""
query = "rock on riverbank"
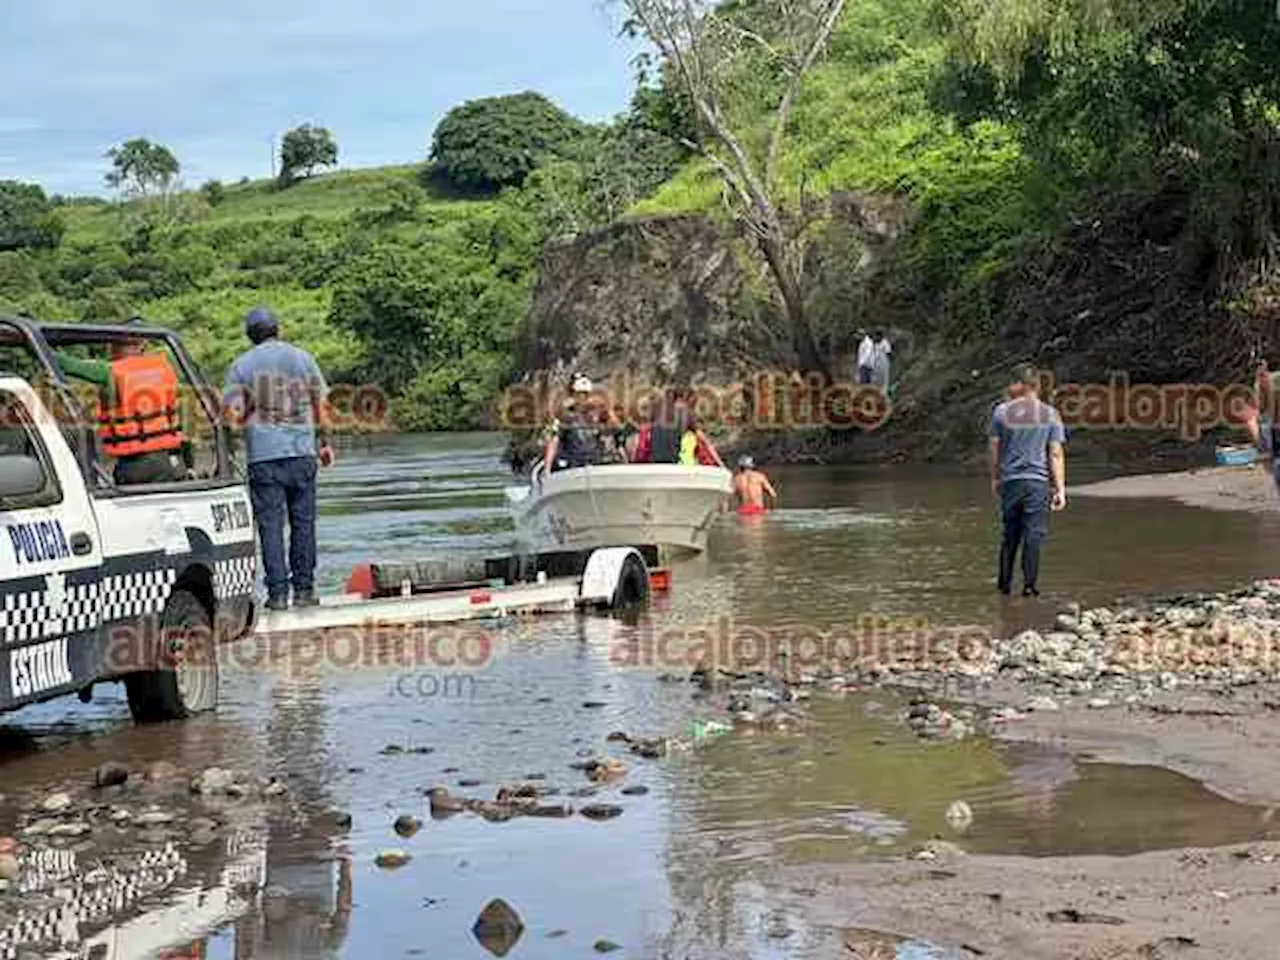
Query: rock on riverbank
(1218, 641)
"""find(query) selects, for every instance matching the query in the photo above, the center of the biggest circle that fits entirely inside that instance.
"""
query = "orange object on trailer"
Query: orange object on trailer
(660, 579)
(361, 581)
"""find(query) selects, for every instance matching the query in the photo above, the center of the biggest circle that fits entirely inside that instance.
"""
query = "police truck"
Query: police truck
(101, 582)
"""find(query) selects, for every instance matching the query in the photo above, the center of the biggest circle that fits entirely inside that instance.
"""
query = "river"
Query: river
(677, 874)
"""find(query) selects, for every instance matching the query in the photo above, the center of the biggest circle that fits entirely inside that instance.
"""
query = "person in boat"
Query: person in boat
(658, 439)
(751, 487)
(576, 439)
(696, 448)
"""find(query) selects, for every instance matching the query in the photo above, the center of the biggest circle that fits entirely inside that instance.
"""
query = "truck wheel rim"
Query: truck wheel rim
(191, 676)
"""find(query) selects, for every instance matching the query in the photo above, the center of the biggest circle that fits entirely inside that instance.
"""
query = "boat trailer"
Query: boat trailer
(412, 593)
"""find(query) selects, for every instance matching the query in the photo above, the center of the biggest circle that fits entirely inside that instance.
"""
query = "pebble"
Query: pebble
(1099, 703)
(605, 946)
(556, 810)
(336, 818)
(1042, 705)
(213, 781)
(959, 816)
(443, 804)
(72, 828)
(635, 790)
(275, 789)
(407, 826)
(154, 817)
(110, 774)
(610, 768)
(601, 811)
(56, 803)
(498, 927)
(391, 859)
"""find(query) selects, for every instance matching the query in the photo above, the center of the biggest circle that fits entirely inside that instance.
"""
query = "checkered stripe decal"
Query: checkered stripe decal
(234, 577)
(27, 615)
(91, 899)
(128, 596)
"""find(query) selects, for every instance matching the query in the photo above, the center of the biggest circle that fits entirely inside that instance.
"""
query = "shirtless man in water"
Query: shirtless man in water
(750, 487)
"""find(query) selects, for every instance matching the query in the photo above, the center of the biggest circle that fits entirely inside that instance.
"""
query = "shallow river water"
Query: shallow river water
(678, 873)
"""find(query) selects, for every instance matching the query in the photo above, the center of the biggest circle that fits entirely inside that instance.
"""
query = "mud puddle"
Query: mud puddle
(858, 784)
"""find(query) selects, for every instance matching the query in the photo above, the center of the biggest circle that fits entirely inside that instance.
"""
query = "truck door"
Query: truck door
(50, 557)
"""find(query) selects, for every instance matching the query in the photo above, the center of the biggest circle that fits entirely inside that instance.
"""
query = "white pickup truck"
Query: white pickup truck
(100, 582)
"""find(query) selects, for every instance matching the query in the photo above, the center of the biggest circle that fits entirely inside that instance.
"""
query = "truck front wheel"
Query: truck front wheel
(185, 679)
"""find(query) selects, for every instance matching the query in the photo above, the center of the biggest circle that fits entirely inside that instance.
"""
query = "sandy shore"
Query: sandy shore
(1215, 488)
(1215, 904)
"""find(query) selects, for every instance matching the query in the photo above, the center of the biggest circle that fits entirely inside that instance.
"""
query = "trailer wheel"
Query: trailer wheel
(632, 591)
(185, 679)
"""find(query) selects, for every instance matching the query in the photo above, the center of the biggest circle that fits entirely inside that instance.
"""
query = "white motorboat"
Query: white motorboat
(668, 506)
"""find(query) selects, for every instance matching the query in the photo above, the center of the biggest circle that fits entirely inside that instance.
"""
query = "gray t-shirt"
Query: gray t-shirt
(1025, 427)
(268, 391)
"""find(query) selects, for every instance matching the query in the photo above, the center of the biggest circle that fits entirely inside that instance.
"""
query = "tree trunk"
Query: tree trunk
(803, 342)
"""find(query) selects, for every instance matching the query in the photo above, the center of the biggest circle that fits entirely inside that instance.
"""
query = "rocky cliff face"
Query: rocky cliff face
(661, 300)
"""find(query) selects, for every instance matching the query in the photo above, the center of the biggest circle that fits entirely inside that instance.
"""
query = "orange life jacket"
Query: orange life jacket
(145, 416)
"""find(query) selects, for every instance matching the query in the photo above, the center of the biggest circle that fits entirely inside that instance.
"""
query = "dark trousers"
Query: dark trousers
(280, 489)
(1024, 510)
(158, 467)
(866, 375)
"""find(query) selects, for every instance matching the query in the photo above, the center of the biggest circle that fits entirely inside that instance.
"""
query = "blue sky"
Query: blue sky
(217, 80)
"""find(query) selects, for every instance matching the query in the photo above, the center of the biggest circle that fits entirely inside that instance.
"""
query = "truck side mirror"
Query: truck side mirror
(20, 476)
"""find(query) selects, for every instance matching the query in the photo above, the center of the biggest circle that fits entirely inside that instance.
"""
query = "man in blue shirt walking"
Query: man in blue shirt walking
(1028, 476)
(277, 393)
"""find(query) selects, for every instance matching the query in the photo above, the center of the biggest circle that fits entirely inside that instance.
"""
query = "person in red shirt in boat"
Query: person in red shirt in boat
(751, 487)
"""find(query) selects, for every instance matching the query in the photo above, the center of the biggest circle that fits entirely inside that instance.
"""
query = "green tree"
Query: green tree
(735, 63)
(485, 145)
(142, 168)
(304, 150)
(213, 192)
(28, 219)
(1124, 89)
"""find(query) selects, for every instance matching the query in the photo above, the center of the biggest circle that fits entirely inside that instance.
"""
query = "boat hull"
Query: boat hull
(667, 506)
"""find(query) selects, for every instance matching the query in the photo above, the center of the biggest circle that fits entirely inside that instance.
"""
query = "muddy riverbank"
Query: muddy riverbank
(1247, 488)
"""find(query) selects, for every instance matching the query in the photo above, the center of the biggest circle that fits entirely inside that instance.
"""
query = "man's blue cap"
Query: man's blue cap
(259, 321)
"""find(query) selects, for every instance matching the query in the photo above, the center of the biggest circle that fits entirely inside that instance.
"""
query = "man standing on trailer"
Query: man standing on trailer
(277, 392)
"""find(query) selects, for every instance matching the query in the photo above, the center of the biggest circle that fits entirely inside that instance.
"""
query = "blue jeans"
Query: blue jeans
(1024, 510)
(281, 488)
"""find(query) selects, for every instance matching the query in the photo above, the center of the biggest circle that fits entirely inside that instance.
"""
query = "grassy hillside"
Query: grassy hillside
(199, 266)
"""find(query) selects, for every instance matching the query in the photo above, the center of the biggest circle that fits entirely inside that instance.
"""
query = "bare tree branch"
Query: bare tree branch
(783, 116)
